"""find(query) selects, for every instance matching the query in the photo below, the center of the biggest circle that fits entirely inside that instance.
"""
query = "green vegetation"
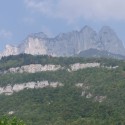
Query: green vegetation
(65, 105)
(24, 59)
(12, 121)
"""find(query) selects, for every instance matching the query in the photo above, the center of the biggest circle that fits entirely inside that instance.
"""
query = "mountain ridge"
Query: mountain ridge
(69, 44)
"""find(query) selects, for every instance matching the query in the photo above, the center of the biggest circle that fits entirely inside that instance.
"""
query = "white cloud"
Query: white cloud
(77, 9)
(43, 6)
(5, 34)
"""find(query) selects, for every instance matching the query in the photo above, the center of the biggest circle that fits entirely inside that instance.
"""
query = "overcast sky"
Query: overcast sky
(19, 18)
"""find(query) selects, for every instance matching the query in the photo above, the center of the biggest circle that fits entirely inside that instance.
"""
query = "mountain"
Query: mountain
(69, 44)
(99, 53)
(110, 41)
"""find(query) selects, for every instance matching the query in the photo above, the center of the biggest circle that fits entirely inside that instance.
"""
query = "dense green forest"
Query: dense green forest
(66, 105)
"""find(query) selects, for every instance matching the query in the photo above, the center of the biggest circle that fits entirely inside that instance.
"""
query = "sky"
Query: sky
(19, 18)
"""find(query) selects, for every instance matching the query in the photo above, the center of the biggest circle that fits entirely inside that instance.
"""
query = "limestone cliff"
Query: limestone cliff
(69, 44)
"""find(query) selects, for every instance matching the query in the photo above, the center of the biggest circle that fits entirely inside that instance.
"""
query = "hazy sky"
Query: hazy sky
(19, 18)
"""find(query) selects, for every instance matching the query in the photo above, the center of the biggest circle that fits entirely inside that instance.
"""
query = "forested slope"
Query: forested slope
(89, 96)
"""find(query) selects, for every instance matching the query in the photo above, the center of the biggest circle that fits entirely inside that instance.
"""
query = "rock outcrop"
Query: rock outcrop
(78, 66)
(10, 50)
(32, 68)
(10, 89)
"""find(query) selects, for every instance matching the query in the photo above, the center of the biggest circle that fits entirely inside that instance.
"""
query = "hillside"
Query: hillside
(80, 91)
(94, 53)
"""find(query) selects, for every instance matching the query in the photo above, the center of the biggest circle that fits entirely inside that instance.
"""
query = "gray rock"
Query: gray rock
(69, 44)
(110, 42)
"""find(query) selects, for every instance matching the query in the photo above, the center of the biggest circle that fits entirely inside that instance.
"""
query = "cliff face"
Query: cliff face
(33, 46)
(9, 89)
(110, 42)
(10, 50)
(69, 44)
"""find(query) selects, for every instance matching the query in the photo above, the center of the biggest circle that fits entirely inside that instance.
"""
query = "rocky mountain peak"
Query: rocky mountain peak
(33, 45)
(110, 41)
(9, 50)
(69, 44)
(60, 36)
(86, 29)
(106, 30)
(39, 35)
